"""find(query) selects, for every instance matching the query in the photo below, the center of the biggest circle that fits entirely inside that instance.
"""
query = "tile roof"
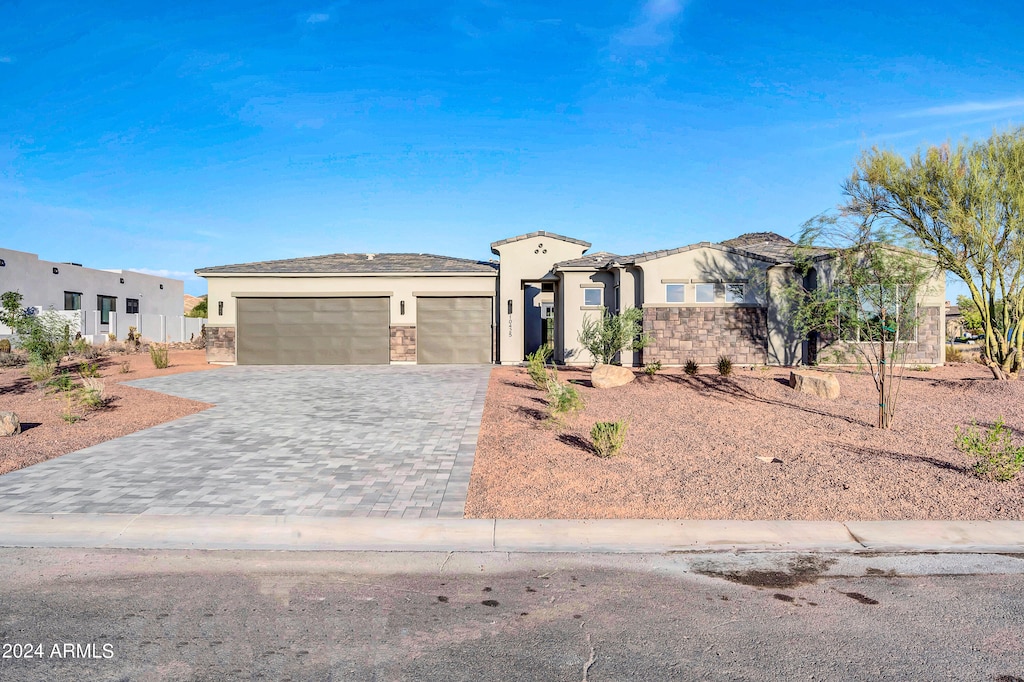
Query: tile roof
(598, 260)
(540, 233)
(358, 263)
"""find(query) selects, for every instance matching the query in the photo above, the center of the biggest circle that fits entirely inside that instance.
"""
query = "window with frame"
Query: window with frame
(593, 296)
(675, 293)
(106, 305)
(72, 300)
(704, 293)
(131, 305)
(735, 293)
(878, 313)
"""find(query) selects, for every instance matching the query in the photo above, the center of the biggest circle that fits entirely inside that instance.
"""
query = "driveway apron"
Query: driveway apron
(394, 441)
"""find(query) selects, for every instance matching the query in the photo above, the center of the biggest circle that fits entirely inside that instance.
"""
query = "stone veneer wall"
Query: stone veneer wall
(403, 344)
(220, 344)
(928, 350)
(704, 334)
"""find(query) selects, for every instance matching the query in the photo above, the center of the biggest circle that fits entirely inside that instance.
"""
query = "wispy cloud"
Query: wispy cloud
(966, 108)
(318, 18)
(653, 25)
(5, 60)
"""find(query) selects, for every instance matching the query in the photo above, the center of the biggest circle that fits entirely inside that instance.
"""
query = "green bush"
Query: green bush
(41, 373)
(62, 382)
(608, 437)
(996, 457)
(46, 337)
(536, 366)
(88, 370)
(92, 394)
(159, 355)
(610, 334)
(691, 368)
(563, 399)
(724, 366)
(652, 368)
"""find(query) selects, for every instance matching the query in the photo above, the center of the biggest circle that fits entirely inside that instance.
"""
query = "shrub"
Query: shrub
(62, 382)
(126, 367)
(652, 368)
(11, 360)
(133, 340)
(93, 393)
(922, 368)
(536, 366)
(45, 337)
(610, 334)
(563, 399)
(88, 370)
(41, 373)
(608, 437)
(5, 345)
(159, 355)
(691, 368)
(724, 366)
(954, 354)
(111, 337)
(997, 459)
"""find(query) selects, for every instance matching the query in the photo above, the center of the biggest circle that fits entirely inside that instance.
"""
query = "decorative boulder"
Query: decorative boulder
(10, 425)
(610, 376)
(820, 384)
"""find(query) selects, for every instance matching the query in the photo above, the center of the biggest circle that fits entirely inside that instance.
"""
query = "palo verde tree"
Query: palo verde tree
(965, 205)
(611, 334)
(863, 300)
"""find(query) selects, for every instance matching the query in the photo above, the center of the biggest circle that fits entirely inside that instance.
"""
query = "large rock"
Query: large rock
(610, 376)
(10, 425)
(820, 384)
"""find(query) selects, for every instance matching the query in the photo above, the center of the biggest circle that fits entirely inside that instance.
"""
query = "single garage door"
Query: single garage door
(313, 331)
(453, 330)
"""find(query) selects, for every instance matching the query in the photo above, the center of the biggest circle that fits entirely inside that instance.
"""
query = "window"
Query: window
(131, 305)
(860, 314)
(592, 296)
(72, 300)
(704, 293)
(106, 305)
(734, 293)
(675, 293)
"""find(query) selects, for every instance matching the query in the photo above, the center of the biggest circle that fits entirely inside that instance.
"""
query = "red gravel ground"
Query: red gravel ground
(693, 442)
(46, 435)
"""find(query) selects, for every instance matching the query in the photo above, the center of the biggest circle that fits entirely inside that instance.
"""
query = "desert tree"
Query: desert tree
(857, 296)
(965, 205)
(611, 334)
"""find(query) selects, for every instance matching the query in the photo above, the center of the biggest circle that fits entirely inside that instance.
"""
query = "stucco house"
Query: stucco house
(699, 302)
(99, 302)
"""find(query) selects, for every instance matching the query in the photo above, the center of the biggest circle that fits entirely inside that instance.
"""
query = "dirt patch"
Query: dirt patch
(693, 444)
(803, 570)
(46, 435)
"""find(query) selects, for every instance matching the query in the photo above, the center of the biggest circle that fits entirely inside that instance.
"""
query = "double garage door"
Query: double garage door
(355, 331)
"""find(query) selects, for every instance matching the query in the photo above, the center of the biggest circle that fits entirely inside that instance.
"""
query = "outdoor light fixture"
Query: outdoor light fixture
(510, 306)
(122, 280)
(161, 286)
(220, 307)
(56, 271)
(401, 307)
(2, 263)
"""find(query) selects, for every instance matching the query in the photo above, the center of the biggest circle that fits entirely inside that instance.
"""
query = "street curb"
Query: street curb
(145, 531)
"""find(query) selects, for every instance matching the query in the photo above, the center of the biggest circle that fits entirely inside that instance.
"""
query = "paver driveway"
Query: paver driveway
(317, 441)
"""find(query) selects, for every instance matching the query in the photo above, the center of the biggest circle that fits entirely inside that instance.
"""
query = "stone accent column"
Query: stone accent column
(403, 343)
(220, 344)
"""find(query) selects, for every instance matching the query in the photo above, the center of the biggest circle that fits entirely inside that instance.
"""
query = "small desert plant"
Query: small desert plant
(997, 458)
(134, 339)
(5, 345)
(691, 368)
(611, 334)
(652, 368)
(11, 360)
(80, 346)
(126, 367)
(563, 399)
(62, 382)
(92, 393)
(88, 370)
(111, 337)
(724, 366)
(158, 354)
(922, 368)
(954, 354)
(536, 366)
(608, 437)
(41, 372)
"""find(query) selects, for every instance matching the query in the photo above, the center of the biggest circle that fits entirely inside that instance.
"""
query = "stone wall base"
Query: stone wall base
(703, 335)
(220, 344)
(403, 344)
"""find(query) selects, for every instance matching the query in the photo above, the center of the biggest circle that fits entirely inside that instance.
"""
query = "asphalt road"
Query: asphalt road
(147, 615)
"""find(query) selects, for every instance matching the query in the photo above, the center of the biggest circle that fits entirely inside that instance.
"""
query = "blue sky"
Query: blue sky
(166, 137)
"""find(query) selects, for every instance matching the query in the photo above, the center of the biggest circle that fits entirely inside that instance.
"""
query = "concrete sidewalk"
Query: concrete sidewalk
(150, 531)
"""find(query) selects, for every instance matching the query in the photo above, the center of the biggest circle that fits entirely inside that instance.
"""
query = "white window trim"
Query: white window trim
(696, 289)
(682, 288)
(743, 292)
(600, 293)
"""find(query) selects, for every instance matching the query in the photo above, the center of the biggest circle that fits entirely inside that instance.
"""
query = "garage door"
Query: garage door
(313, 331)
(453, 330)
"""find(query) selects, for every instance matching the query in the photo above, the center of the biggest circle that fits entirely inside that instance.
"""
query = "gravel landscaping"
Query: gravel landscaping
(693, 444)
(46, 435)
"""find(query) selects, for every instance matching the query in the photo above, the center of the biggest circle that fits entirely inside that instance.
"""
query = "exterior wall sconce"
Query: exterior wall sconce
(161, 286)
(122, 280)
(220, 307)
(56, 271)
(2, 263)
(401, 307)
(510, 306)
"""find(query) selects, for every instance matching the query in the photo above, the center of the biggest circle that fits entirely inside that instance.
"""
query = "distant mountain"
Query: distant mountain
(192, 301)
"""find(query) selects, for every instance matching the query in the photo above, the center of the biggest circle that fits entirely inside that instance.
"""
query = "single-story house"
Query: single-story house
(99, 302)
(699, 302)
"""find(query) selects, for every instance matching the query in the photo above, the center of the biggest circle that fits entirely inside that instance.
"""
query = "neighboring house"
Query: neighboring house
(699, 302)
(98, 302)
(955, 328)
